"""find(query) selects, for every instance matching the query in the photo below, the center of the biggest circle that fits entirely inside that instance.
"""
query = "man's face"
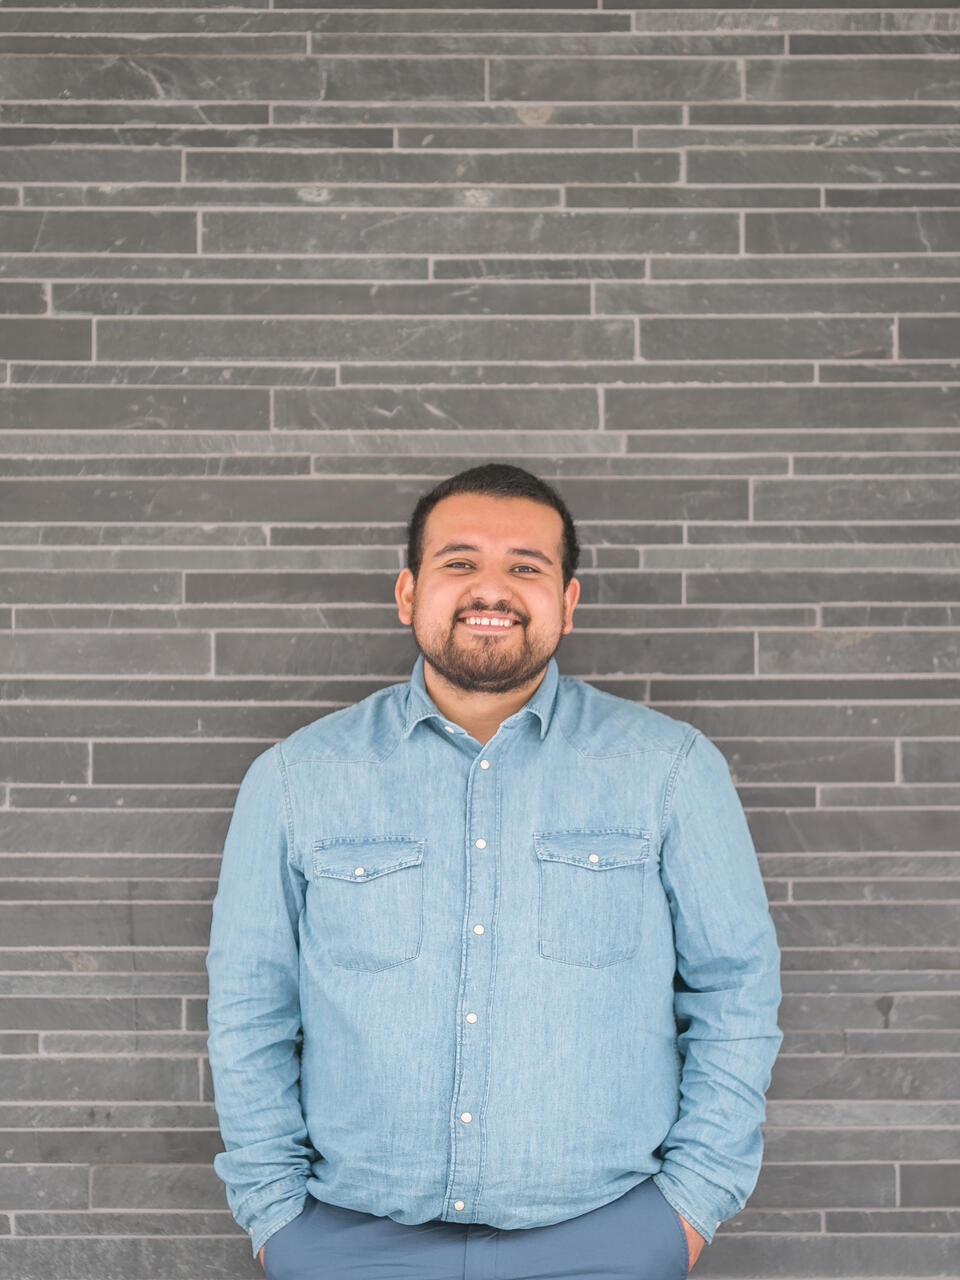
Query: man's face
(512, 570)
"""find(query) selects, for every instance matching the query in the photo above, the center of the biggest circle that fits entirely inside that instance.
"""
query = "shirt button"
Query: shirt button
(481, 843)
(458, 1204)
(484, 764)
(478, 928)
(358, 871)
(449, 728)
(466, 1117)
(471, 1017)
(594, 857)
(249, 1231)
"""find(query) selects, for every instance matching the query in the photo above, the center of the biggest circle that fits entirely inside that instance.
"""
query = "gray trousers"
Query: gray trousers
(638, 1236)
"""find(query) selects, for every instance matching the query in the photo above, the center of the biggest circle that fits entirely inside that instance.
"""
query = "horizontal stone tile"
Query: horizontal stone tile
(106, 924)
(97, 231)
(132, 266)
(267, 77)
(137, 45)
(787, 298)
(497, 409)
(152, 1187)
(872, 164)
(321, 231)
(183, 762)
(103, 653)
(554, 138)
(857, 232)
(429, 299)
(774, 337)
(379, 339)
(311, 194)
(183, 1221)
(116, 1014)
(812, 585)
(924, 1185)
(586, 79)
(807, 498)
(838, 1182)
(141, 1078)
(41, 761)
(112, 408)
(898, 44)
(883, 1144)
(27, 337)
(140, 375)
(37, 1186)
(800, 266)
(852, 79)
(891, 1077)
(88, 164)
(606, 197)
(35, 588)
(22, 298)
(860, 829)
(926, 337)
(807, 409)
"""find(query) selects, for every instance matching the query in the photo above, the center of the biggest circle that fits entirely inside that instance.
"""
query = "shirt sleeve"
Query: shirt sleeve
(253, 1009)
(726, 992)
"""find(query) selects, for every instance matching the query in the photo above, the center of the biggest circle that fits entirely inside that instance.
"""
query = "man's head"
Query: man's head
(494, 540)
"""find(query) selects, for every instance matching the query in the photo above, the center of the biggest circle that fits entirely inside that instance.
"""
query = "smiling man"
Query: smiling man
(493, 979)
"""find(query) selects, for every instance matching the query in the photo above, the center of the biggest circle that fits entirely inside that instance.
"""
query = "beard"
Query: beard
(484, 663)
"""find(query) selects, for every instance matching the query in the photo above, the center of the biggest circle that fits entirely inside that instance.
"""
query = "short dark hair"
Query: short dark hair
(499, 480)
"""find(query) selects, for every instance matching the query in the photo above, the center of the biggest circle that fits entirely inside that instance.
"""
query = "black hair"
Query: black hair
(499, 480)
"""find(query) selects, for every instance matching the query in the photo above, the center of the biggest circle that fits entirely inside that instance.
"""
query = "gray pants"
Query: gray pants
(638, 1236)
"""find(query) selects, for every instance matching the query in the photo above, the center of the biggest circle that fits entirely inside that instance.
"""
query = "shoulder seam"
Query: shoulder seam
(668, 792)
(288, 807)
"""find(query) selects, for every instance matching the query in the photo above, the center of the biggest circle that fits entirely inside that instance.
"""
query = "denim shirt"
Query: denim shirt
(498, 983)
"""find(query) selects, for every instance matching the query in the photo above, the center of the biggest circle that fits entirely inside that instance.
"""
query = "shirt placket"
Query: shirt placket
(475, 987)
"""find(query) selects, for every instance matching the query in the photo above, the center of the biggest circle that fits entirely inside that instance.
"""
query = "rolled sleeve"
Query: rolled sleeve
(727, 992)
(253, 1009)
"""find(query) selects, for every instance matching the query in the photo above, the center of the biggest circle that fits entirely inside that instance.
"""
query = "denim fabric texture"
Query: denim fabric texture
(498, 983)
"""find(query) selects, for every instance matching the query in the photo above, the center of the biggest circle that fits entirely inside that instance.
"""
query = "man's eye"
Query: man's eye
(454, 564)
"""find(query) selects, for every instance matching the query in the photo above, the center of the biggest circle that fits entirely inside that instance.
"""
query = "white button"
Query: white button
(250, 1231)
(481, 843)
(466, 1117)
(449, 728)
(594, 858)
(484, 764)
(478, 928)
(358, 871)
(471, 1017)
(458, 1204)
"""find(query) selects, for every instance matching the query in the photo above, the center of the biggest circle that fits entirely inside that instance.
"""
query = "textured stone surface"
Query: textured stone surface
(267, 273)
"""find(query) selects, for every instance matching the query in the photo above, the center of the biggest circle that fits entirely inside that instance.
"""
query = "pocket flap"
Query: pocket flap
(362, 858)
(597, 850)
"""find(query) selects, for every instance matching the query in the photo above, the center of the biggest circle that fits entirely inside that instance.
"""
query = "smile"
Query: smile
(488, 624)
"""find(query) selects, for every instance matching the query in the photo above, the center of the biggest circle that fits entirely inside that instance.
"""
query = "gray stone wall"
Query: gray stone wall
(269, 271)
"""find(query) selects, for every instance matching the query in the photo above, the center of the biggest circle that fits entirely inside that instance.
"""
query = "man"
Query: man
(493, 979)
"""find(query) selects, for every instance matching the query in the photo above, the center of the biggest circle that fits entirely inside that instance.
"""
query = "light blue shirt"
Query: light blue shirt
(498, 983)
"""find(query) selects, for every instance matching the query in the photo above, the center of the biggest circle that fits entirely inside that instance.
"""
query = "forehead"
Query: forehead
(493, 522)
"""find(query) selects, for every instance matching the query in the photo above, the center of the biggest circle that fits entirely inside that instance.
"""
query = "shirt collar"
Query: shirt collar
(420, 706)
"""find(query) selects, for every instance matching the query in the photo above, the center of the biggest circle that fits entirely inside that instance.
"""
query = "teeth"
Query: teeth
(488, 622)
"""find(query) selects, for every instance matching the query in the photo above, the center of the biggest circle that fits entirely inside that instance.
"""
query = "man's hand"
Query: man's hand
(263, 1246)
(695, 1241)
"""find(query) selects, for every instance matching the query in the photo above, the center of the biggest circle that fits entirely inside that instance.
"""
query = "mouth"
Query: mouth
(492, 624)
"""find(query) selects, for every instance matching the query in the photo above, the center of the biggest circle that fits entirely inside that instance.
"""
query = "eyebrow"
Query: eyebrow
(530, 552)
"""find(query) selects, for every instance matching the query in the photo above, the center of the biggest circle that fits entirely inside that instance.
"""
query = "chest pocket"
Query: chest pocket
(591, 894)
(369, 891)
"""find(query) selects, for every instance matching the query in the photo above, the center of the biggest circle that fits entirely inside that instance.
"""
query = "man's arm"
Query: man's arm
(727, 992)
(253, 1009)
